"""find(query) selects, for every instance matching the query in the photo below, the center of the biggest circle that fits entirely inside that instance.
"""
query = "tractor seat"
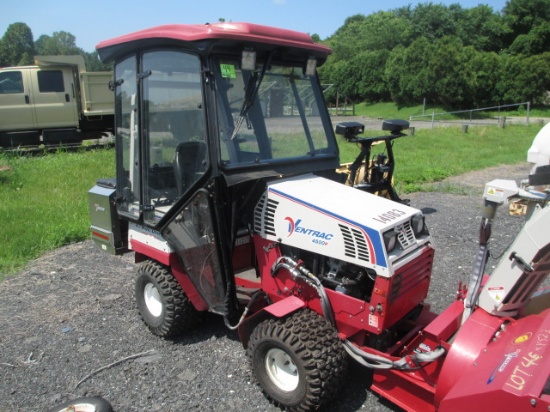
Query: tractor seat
(189, 164)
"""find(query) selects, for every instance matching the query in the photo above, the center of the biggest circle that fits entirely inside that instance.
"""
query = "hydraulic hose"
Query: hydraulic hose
(245, 312)
(379, 362)
(297, 270)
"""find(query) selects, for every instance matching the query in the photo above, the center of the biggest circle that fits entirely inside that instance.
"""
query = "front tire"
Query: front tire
(161, 302)
(298, 361)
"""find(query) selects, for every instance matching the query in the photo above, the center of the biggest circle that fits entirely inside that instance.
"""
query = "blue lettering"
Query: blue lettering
(311, 232)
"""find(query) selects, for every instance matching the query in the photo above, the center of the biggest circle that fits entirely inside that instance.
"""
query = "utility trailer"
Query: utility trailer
(227, 191)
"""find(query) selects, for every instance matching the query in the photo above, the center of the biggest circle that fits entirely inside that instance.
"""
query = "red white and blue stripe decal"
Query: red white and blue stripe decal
(372, 237)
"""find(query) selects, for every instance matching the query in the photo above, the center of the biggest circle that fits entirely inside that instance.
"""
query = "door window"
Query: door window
(175, 153)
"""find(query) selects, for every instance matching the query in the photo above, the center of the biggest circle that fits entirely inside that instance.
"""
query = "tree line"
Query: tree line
(448, 55)
(18, 47)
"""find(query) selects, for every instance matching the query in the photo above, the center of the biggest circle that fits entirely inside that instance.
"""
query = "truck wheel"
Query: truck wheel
(162, 304)
(95, 404)
(298, 361)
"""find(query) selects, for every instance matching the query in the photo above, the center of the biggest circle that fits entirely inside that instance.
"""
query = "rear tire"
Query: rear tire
(298, 361)
(162, 304)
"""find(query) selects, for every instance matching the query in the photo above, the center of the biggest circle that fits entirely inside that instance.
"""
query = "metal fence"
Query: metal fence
(486, 115)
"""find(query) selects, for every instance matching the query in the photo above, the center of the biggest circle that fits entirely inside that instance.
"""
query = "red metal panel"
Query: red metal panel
(285, 306)
(510, 371)
(151, 252)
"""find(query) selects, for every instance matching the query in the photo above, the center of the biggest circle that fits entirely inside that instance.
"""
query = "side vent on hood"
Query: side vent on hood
(264, 216)
(355, 245)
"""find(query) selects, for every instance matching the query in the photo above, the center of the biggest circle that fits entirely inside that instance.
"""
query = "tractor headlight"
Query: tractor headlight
(390, 240)
(418, 224)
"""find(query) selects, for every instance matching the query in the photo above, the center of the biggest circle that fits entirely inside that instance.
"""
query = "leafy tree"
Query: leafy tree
(534, 42)
(484, 69)
(93, 64)
(408, 73)
(524, 78)
(60, 43)
(17, 46)
(524, 15)
(483, 29)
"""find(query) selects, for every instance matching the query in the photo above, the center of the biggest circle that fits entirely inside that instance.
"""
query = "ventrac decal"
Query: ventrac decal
(318, 237)
(372, 237)
(296, 227)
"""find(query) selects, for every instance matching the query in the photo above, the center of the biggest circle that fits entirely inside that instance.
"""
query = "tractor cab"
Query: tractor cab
(213, 113)
(204, 115)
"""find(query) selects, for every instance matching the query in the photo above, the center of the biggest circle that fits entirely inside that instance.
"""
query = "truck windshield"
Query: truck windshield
(281, 122)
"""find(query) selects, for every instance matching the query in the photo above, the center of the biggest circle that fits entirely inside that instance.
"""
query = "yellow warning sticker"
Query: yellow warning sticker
(496, 293)
(495, 192)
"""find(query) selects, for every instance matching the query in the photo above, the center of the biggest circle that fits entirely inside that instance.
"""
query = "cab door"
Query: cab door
(53, 96)
(16, 110)
(192, 234)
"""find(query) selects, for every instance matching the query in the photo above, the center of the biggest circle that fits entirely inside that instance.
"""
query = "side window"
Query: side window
(50, 81)
(11, 82)
(174, 125)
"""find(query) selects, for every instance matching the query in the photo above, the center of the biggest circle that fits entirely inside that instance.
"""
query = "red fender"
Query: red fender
(276, 310)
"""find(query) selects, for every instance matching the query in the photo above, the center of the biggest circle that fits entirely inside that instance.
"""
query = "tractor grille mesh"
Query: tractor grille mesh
(264, 216)
(355, 244)
(406, 236)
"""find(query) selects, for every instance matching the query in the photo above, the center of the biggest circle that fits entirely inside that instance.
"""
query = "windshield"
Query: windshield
(270, 118)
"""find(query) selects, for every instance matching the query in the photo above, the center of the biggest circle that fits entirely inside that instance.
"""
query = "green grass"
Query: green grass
(44, 202)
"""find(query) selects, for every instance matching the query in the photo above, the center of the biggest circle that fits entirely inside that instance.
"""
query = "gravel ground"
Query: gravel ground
(71, 313)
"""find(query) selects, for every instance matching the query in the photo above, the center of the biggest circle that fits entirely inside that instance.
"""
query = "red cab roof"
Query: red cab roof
(242, 32)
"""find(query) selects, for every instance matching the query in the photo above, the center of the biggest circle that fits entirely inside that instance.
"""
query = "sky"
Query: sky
(97, 20)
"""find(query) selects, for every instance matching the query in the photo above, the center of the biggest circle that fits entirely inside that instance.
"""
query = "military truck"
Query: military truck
(55, 101)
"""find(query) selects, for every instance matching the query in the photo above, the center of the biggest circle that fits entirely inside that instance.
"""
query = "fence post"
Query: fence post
(528, 110)
(502, 122)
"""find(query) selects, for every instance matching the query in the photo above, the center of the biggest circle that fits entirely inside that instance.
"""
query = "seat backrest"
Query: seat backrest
(189, 163)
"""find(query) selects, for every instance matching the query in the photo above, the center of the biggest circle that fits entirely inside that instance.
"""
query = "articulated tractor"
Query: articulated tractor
(229, 192)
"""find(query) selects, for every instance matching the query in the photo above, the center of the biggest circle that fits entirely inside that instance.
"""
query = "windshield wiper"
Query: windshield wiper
(251, 91)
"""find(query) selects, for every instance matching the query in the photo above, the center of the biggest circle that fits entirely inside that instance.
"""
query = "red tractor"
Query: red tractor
(228, 191)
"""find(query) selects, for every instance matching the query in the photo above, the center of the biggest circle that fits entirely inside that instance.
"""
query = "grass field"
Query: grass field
(44, 202)
(44, 198)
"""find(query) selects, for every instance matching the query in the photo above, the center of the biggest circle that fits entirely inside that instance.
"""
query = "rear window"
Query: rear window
(50, 81)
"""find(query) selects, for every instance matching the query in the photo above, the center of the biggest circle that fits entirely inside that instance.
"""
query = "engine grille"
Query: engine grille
(355, 245)
(264, 216)
(414, 275)
(405, 235)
